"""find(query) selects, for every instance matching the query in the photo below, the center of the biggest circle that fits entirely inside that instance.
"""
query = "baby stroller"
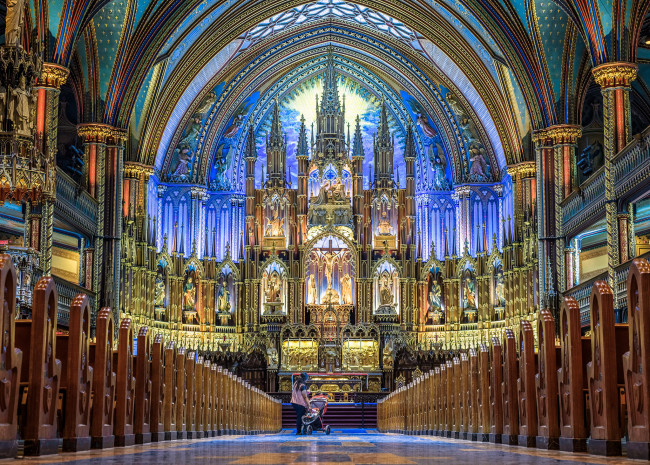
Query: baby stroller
(313, 419)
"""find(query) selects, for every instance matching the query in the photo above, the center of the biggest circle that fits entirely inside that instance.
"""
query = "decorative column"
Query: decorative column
(94, 136)
(615, 80)
(48, 88)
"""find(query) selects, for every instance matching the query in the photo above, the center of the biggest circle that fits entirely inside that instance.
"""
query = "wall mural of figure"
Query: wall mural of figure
(439, 167)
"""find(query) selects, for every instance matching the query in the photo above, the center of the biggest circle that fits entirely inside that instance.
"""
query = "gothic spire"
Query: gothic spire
(250, 151)
(409, 145)
(330, 102)
(383, 132)
(303, 145)
(357, 141)
(275, 138)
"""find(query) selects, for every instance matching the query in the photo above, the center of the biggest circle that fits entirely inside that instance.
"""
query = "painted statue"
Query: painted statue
(274, 288)
(159, 291)
(311, 290)
(346, 286)
(385, 291)
(14, 21)
(274, 227)
(189, 294)
(384, 227)
(499, 290)
(470, 292)
(223, 298)
(20, 107)
(272, 357)
(435, 296)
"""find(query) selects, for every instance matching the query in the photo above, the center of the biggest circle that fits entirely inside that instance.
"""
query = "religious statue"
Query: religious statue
(336, 191)
(159, 291)
(385, 291)
(272, 357)
(3, 106)
(331, 295)
(223, 298)
(388, 356)
(311, 290)
(14, 21)
(20, 108)
(470, 293)
(189, 295)
(274, 288)
(346, 286)
(384, 227)
(274, 227)
(435, 296)
(499, 291)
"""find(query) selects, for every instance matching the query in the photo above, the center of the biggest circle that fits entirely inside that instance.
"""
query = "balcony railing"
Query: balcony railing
(587, 203)
(74, 204)
(67, 292)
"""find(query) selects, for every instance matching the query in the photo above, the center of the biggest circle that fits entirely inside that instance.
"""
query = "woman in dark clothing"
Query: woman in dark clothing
(300, 399)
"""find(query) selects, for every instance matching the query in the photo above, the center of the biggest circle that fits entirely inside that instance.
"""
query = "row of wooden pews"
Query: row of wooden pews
(587, 394)
(65, 391)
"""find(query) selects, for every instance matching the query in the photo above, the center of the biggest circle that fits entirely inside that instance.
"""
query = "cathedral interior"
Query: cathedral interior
(356, 190)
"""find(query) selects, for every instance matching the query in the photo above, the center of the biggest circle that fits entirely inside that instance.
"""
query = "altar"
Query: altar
(338, 386)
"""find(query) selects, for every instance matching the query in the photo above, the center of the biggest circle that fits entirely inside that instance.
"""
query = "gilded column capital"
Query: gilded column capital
(53, 76)
(564, 134)
(137, 170)
(540, 137)
(615, 74)
(526, 169)
(94, 132)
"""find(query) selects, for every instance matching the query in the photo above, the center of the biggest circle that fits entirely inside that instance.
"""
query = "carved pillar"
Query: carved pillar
(48, 88)
(615, 81)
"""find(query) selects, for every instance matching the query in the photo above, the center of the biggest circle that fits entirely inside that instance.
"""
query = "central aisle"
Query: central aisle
(349, 447)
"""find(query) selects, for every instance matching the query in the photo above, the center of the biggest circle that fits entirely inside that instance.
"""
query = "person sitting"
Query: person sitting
(300, 399)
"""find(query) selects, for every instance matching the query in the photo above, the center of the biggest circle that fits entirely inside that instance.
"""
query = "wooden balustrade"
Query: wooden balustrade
(585, 394)
(86, 395)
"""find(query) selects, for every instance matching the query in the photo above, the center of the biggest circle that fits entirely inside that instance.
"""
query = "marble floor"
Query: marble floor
(347, 447)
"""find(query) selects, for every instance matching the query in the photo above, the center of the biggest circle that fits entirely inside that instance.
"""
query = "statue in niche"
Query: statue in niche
(388, 355)
(384, 227)
(335, 191)
(274, 288)
(20, 107)
(478, 170)
(189, 292)
(427, 130)
(272, 357)
(274, 227)
(385, 291)
(159, 291)
(14, 21)
(470, 291)
(435, 296)
(346, 286)
(499, 290)
(223, 297)
(311, 290)
(438, 165)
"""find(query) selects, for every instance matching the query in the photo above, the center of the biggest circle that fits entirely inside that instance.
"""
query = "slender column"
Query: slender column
(615, 81)
(48, 88)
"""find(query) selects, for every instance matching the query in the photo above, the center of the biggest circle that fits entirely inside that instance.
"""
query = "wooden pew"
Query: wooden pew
(214, 421)
(181, 395)
(464, 404)
(636, 362)
(104, 380)
(526, 386)
(206, 409)
(171, 399)
(125, 386)
(602, 373)
(158, 389)
(473, 389)
(573, 433)
(41, 369)
(546, 384)
(509, 391)
(435, 419)
(190, 405)
(197, 426)
(142, 409)
(220, 402)
(496, 395)
(74, 352)
(483, 388)
(11, 359)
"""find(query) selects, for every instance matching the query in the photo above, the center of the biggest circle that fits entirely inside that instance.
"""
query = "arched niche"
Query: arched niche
(161, 288)
(468, 292)
(191, 301)
(386, 287)
(274, 288)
